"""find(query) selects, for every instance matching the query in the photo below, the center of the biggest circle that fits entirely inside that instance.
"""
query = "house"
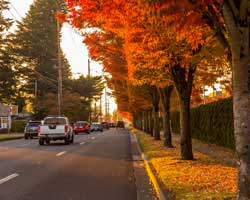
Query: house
(6, 111)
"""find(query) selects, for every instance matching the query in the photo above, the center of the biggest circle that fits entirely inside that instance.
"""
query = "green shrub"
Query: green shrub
(210, 123)
(18, 126)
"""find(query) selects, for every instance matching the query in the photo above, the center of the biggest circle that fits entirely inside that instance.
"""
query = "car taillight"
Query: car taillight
(66, 128)
(39, 130)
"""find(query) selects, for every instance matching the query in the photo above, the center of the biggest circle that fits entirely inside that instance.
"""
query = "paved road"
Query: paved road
(97, 166)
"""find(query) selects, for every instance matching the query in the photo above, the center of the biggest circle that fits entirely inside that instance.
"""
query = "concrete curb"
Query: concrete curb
(150, 173)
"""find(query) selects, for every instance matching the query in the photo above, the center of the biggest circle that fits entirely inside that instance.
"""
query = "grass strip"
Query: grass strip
(203, 178)
(4, 137)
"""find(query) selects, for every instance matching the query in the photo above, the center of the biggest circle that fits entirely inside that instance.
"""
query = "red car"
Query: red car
(81, 127)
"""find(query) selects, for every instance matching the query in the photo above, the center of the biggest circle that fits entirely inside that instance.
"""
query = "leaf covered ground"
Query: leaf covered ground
(203, 178)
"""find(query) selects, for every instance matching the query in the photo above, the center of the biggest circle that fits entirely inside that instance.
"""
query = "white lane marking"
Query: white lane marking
(92, 138)
(82, 143)
(26, 144)
(61, 153)
(8, 178)
(4, 148)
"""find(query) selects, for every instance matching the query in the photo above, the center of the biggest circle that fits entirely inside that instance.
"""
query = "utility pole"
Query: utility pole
(59, 66)
(100, 108)
(35, 93)
(88, 67)
(108, 109)
(106, 104)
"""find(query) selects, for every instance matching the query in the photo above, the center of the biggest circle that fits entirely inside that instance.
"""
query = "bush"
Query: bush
(210, 123)
(18, 126)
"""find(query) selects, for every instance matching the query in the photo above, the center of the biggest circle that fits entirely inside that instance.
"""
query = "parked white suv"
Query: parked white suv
(55, 128)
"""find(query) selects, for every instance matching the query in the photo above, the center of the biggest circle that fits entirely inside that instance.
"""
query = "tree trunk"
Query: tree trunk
(151, 125)
(155, 102)
(146, 122)
(165, 94)
(156, 122)
(239, 40)
(141, 121)
(241, 107)
(186, 140)
(183, 80)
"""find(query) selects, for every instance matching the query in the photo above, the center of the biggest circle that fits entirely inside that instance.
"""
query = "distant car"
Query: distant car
(81, 127)
(105, 125)
(96, 127)
(112, 125)
(31, 129)
(120, 124)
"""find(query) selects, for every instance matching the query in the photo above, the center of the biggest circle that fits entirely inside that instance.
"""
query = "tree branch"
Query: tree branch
(231, 25)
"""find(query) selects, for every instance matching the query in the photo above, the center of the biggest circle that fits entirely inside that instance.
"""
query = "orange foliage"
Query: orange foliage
(139, 41)
(60, 17)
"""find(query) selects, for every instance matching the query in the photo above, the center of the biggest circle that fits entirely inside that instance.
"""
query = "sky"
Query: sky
(75, 51)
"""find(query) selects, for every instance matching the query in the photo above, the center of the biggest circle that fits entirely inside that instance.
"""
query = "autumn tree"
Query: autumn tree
(73, 106)
(229, 21)
(107, 48)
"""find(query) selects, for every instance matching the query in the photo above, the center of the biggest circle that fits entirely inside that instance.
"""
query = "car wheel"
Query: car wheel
(41, 141)
(47, 142)
(26, 137)
(72, 139)
(76, 133)
(67, 140)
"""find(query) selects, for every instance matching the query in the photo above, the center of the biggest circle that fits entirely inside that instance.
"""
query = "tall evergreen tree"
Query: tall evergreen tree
(36, 47)
(7, 74)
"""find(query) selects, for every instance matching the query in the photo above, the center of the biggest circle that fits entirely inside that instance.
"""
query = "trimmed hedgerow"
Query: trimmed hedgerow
(18, 126)
(210, 123)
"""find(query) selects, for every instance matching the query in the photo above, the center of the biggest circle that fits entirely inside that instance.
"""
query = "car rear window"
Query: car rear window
(55, 120)
(33, 124)
(80, 123)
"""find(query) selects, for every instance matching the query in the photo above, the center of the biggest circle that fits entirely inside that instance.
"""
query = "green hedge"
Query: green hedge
(210, 123)
(18, 126)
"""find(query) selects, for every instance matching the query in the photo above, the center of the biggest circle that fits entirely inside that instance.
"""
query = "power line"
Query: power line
(14, 17)
(15, 10)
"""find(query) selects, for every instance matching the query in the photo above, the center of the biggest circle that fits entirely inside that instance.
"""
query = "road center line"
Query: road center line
(8, 178)
(82, 143)
(4, 148)
(61, 153)
(92, 138)
(26, 144)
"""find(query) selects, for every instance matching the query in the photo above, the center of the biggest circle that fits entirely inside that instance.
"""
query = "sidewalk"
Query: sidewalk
(145, 190)
(212, 175)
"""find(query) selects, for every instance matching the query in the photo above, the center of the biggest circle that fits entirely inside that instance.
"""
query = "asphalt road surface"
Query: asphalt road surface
(97, 166)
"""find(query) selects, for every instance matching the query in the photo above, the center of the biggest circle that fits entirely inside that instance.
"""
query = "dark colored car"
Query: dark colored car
(112, 125)
(120, 124)
(31, 129)
(105, 125)
(81, 127)
(96, 127)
